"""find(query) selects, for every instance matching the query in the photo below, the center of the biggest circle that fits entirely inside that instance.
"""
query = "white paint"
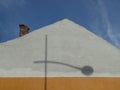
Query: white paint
(68, 43)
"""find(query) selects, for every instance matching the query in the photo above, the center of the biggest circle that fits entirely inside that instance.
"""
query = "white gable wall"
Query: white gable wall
(68, 43)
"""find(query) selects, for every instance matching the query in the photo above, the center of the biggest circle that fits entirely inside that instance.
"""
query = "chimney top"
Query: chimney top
(23, 29)
(23, 25)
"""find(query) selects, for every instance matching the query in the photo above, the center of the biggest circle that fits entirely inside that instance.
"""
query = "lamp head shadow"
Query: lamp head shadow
(87, 70)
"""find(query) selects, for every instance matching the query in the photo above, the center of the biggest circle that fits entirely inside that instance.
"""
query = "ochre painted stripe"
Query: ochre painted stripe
(62, 83)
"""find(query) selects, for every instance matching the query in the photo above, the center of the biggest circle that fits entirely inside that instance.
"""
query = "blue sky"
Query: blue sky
(101, 17)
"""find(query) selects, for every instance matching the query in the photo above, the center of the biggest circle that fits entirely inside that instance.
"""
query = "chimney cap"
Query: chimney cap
(23, 25)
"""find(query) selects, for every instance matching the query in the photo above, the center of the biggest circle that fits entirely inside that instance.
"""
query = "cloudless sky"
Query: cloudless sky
(101, 17)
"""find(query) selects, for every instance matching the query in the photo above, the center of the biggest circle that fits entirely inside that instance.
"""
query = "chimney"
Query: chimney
(23, 30)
